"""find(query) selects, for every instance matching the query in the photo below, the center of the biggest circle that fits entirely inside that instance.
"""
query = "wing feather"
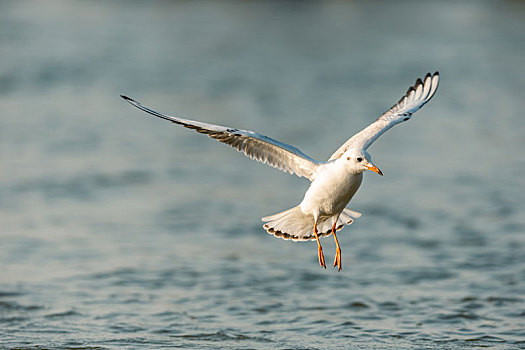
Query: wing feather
(256, 146)
(415, 98)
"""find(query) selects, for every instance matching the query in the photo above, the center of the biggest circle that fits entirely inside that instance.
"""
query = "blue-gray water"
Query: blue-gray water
(119, 230)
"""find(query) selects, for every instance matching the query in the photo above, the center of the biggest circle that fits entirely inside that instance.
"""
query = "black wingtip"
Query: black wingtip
(130, 100)
(431, 75)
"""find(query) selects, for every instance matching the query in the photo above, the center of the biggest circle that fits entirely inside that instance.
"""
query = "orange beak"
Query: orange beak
(375, 169)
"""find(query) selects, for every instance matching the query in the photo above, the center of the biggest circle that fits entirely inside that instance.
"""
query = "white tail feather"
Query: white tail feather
(293, 224)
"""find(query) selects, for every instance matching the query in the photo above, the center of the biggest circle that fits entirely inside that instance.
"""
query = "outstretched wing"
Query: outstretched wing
(256, 146)
(414, 99)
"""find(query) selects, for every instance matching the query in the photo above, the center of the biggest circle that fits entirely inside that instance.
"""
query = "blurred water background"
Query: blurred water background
(119, 230)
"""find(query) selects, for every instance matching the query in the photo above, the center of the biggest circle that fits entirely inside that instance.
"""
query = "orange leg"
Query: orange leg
(319, 248)
(337, 260)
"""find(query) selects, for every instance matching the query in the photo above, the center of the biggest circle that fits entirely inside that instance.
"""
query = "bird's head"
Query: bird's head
(358, 161)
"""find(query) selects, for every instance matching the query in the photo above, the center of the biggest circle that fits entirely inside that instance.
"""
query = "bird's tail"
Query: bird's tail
(293, 224)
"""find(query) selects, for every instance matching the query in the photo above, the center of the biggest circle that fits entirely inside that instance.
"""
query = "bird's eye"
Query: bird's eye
(359, 159)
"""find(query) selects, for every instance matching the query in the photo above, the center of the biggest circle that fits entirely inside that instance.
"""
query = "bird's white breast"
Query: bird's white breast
(331, 191)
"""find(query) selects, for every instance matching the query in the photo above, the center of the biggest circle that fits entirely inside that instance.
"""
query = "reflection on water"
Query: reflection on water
(118, 229)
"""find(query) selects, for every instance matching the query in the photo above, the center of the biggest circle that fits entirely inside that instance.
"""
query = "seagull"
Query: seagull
(322, 211)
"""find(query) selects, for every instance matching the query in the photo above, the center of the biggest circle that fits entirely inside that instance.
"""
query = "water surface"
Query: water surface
(119, 230)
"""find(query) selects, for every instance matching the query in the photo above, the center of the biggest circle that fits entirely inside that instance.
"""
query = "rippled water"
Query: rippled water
(121, 230)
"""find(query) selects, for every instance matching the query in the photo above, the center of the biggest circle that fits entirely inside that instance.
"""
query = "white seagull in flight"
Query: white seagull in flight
(323, 210)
